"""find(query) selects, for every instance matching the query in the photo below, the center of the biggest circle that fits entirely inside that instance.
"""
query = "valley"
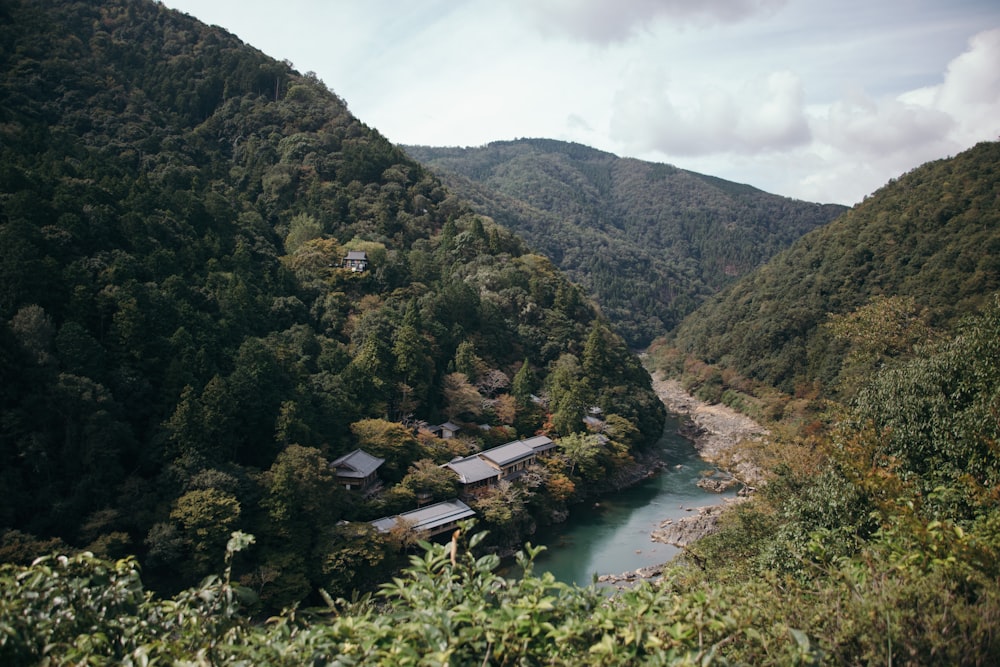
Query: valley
(244, 336)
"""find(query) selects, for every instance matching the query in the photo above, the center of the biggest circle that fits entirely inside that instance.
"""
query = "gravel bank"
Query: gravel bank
(715, 431)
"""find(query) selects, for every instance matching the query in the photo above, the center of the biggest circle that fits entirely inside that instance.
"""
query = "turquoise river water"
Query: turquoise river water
(612, 535)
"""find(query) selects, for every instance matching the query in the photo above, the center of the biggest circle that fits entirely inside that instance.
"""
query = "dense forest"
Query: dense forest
(183, 352)
(649, 242)
(911, 260)
(875, 542)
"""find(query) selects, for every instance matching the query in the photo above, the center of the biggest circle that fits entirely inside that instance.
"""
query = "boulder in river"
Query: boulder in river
(682, 532)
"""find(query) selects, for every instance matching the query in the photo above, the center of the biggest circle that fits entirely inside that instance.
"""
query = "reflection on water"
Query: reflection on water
(612, 536)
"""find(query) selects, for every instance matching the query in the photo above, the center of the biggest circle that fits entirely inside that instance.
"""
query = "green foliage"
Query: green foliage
(449, 606)
(176, 208)
(581, 452)
(302, 493)
(936, 416)
(649, 241)
(523, 384)
(391, 441)
(462, 400)
(359, 559)
(303, 228)
(430, 482)
(82, 610)
(889, 552)
(467, 362)
(881, 330)
(918, 254)
(206, 517)
(915, 592)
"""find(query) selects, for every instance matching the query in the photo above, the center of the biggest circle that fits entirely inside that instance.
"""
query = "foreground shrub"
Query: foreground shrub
(448, 607)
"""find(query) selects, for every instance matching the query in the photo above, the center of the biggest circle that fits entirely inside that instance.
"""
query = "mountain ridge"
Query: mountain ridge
(931, 237)
(677, 236)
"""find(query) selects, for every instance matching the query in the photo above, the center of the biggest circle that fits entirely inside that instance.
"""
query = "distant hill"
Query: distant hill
(913, 258)
(648, 241)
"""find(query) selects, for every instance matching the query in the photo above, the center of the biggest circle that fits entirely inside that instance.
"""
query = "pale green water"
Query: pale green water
(612, 536)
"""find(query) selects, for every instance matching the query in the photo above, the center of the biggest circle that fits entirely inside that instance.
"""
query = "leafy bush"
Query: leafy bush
(448, 607)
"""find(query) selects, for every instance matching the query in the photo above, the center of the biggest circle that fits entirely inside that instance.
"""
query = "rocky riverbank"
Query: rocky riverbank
(628, 579)
(683, 532)
(715, 430)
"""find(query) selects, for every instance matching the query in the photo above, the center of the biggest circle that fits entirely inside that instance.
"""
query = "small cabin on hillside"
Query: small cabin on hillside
(594, 419)
(356, 260)
(357, 471)
(446, 430)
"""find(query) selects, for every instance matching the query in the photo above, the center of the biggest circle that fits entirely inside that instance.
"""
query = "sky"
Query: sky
(820, 100)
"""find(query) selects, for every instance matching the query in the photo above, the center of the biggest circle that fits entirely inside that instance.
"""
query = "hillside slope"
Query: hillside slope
(914, 257)
(181, 350)
(648, 241)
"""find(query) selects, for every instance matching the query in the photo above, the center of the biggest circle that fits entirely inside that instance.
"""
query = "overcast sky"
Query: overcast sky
(822, 100)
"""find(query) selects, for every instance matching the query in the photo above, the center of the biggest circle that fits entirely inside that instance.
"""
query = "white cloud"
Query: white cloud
(604, 22)
(761, 131)
(974, 76)
(763, 114)
(962, 109)
(970, 93)
(868, 140)
(824, 100)
(863, 126)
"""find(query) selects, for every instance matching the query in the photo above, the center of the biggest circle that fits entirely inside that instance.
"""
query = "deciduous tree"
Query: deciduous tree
(461, 398)
(206, 517)
(390, 441)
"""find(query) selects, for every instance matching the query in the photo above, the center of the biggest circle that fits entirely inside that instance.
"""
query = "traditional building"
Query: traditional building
(480, 471)
(356, 260)
(431, 520)
(510, 459)
(474, 474)
(446, 430)
(540, 443)
(357, 471)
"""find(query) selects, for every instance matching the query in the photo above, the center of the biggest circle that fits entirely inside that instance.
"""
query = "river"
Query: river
(612, 535)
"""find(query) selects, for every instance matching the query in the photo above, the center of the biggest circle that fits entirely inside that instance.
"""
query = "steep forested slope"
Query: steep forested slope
(181, 351)
(914, 257)
(649, 241)
(878, 544)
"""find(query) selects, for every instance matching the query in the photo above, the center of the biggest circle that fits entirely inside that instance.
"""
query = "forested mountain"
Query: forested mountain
(877, 543)
(182, 352)
(901, 268)
(648, 241)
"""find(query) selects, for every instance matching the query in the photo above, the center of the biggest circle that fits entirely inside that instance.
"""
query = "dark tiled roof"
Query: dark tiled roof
(358, 463)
